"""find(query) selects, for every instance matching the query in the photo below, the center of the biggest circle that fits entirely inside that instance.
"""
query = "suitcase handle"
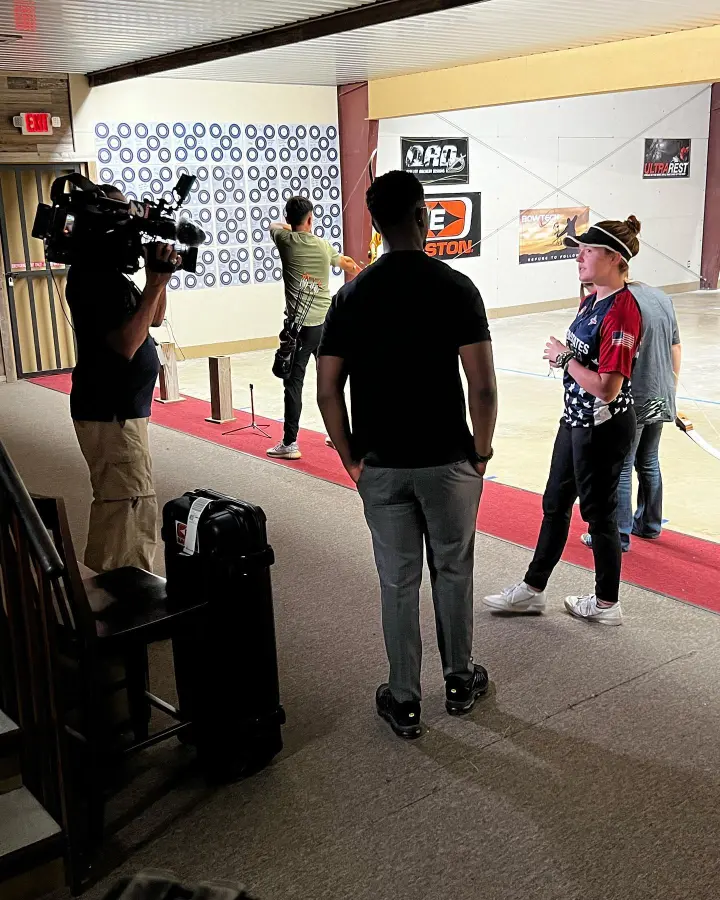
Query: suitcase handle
(222, 501)
(251, 562)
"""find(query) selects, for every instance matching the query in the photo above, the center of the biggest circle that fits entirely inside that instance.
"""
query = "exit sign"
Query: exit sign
(36, 122)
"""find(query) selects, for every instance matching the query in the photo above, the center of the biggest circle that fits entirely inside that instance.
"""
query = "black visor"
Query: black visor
(598, 237)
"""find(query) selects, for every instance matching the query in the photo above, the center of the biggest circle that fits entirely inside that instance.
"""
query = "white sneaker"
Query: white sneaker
(587, 608)
(285, 451)
(517, 599)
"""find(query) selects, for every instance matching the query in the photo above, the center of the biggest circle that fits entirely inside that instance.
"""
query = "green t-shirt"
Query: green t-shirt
(303, 253)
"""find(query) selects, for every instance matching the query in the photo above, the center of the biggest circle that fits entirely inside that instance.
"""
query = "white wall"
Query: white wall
(221, 314)
(557, 141)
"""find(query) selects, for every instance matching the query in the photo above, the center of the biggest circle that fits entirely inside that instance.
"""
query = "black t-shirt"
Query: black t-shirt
(105, 385)
(398, 326)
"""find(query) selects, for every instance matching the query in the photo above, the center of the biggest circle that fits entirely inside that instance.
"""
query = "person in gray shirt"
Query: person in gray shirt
(654, 382)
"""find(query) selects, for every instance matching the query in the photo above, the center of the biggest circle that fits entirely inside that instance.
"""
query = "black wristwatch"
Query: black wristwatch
(483, 459)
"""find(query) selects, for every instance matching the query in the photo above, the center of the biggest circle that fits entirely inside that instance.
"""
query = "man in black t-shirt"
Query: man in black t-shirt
(398, 331)
(112, 389)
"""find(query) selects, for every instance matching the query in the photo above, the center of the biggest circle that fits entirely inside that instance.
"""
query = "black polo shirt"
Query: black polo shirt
(399, 326)
(106, 385)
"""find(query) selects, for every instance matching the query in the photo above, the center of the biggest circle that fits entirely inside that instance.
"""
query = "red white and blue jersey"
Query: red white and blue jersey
(605, 337)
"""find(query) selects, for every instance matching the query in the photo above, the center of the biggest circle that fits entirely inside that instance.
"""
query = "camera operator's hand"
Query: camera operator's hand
(161, 260)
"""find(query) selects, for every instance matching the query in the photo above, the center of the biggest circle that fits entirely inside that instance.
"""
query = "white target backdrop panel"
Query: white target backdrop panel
(245, 173)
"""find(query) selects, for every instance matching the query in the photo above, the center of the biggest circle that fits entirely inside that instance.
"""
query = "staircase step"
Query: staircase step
(9, 734)
(10, 778)
(42, 881)
(29, 836)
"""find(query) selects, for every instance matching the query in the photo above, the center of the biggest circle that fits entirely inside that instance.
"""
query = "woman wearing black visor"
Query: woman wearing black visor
(596, 430)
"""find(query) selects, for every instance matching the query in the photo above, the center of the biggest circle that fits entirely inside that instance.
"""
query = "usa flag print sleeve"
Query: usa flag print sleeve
(620, 336)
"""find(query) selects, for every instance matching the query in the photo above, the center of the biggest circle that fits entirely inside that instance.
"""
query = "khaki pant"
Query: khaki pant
(123, 516)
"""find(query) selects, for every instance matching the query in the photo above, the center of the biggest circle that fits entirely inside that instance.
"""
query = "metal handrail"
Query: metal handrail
(37, 534)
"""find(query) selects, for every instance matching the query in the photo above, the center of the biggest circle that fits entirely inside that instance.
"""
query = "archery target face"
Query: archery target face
(245, 174)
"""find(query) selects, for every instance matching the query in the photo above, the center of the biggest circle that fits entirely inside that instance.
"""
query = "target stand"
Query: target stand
(253, 426)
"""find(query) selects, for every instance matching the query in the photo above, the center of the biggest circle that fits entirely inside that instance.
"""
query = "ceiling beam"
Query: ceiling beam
(691, 56)
(377, 13)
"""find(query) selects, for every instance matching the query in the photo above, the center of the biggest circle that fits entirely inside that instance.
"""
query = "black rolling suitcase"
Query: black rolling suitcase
(216, 550)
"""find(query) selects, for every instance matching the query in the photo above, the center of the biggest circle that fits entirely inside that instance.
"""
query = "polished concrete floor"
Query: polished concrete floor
(531, 403)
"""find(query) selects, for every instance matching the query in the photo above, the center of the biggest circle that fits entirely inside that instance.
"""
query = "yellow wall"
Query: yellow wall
(683, 57)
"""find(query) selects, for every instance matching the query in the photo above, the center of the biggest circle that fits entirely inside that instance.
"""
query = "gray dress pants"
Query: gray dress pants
(405, 509)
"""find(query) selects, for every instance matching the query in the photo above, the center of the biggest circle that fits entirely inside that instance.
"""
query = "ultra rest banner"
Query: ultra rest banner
(667, 158)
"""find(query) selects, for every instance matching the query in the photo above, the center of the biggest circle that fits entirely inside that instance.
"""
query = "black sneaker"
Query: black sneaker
(461, 694)
(404, 718)
(645, 537)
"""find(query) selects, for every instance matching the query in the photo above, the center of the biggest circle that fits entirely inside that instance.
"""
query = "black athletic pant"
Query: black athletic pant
(308, 344)
(586, 463)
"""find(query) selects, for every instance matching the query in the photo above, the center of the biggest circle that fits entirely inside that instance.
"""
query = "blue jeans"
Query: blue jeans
(644, 458)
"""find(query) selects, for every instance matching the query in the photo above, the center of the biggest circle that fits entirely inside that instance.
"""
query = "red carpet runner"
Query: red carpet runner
(683, 567)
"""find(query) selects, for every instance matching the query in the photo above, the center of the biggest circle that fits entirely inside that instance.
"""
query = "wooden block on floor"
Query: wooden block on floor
(169, 383)
(221, 408)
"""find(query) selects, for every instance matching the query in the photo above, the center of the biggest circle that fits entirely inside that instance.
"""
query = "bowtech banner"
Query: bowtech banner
(542, 232)
(437, 160)
(454, 225)
(667, 158)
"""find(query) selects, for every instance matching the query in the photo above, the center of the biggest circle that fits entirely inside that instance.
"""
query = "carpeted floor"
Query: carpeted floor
(678, 565)
(591, 771)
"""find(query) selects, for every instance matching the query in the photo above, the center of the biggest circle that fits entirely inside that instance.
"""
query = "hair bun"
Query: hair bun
(633, 224)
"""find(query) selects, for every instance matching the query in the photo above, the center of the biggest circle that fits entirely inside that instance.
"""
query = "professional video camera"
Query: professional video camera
(85, 224)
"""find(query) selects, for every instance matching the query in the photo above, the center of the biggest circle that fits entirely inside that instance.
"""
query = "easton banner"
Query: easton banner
(437, 160)
(667, 158)
(454, 225)
(542, 232)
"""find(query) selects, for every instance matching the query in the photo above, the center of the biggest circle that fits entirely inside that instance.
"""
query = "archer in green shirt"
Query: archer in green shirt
(303, 253)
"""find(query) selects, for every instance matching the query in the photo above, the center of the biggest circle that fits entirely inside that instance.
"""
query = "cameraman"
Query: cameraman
(112, 389)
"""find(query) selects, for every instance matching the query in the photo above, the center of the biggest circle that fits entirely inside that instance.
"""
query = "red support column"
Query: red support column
(358, 141)
(710, 266)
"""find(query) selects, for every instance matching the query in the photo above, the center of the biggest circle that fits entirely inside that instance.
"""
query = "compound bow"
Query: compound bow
(375, 239)
(685, 425)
